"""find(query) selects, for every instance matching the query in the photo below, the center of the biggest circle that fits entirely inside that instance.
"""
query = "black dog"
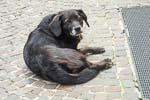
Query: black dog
(51, 50)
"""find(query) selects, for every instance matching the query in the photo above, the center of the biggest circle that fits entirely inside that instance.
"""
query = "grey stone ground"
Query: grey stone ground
(19, 17)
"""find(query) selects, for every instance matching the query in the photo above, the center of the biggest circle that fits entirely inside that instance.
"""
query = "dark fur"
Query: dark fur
(50, 52)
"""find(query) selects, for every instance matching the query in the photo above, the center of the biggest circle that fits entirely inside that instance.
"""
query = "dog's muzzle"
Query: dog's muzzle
(76, 31)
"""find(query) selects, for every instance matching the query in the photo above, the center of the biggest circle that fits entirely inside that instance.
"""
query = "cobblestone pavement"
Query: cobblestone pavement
(19, 17)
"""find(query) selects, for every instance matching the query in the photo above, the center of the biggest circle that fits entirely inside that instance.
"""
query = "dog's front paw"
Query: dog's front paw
(99, 50)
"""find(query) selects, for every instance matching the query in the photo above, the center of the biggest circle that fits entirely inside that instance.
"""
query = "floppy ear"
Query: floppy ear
(84, 17)
(55, 25)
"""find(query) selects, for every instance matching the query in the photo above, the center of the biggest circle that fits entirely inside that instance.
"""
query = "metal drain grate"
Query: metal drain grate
(137, 21)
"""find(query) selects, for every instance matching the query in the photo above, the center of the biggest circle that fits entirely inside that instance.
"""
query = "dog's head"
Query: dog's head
(69, 22)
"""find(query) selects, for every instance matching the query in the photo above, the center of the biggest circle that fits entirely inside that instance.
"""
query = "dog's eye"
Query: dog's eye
(67, 21)
(79, 19)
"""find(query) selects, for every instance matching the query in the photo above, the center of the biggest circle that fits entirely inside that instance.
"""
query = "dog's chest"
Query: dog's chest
(68, 44)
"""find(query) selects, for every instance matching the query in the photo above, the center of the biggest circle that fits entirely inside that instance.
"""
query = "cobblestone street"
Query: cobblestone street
(19, 17)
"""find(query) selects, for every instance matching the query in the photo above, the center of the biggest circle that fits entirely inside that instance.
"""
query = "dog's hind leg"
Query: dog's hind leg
(63, 77)
(92, 50)
(104, 64)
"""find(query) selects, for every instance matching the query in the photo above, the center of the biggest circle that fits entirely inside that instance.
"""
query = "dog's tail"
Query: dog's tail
(63, 77)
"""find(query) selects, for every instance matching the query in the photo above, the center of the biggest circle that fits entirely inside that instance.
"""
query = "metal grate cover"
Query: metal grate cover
(137, 21)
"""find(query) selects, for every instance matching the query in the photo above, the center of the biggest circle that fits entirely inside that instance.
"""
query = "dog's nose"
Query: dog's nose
(78, 29)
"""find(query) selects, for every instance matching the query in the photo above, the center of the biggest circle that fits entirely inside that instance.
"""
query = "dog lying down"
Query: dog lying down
(51, 50)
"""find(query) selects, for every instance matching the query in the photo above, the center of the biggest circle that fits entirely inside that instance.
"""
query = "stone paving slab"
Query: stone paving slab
(19, 17)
